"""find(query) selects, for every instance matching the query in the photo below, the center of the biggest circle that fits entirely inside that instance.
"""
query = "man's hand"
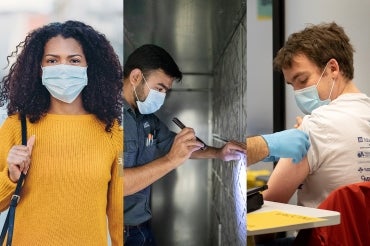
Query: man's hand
(184, 145)
(232, 151)
(139, 177)
(290, 143)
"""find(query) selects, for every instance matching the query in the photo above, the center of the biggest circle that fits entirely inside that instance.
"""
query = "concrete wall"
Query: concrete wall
(229, 122)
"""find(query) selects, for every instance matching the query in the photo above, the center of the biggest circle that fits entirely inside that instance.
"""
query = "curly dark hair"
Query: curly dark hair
(22, 87)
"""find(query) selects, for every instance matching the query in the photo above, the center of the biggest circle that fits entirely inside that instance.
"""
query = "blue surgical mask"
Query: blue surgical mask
(64, 82)
(308, 99)
(153, 101)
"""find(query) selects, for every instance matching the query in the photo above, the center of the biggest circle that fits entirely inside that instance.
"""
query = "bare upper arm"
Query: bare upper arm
(285, 179)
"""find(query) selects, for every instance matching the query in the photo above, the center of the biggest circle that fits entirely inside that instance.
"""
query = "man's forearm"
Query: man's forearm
(257, 149)
(209, 153)
(140, 177)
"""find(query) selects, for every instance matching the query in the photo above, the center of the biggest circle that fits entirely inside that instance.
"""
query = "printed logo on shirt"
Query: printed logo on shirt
(365, 178)
(363, 154)
(363, 139)
(365, 169)
(146, 124)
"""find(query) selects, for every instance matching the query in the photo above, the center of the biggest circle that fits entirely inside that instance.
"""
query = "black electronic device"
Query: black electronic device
(255, 198)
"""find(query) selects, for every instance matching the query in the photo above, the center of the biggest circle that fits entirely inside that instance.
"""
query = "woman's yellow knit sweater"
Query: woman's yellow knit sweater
(74, 187)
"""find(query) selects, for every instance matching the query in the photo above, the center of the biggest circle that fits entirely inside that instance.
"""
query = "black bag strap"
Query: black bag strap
(9, 221)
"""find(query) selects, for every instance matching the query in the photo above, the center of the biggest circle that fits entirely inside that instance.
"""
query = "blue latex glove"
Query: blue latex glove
(292, 143)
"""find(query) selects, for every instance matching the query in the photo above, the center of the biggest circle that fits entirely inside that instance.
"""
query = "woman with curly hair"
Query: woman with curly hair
(67, 81)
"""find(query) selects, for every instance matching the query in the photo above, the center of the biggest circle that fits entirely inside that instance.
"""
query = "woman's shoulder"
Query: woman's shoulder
(10, 128)
(117, 134)
(11, 120)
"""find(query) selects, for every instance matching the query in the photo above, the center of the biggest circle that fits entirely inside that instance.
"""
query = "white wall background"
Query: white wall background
(259, 76)
(355, 19)
(18, 17)
(259, 72)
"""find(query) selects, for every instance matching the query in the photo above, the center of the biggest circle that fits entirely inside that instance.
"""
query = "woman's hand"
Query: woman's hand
(19, 159)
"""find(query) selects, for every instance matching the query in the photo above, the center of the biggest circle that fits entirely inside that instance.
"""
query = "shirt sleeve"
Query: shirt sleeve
(317, 127)
(115, 194)
(8, 137)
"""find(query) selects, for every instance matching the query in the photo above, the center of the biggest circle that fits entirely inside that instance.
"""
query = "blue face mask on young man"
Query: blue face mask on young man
(308, 99)
(64, 82)
(153, 101)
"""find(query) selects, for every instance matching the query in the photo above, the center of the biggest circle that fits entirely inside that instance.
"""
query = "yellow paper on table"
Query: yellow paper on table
(276, 218)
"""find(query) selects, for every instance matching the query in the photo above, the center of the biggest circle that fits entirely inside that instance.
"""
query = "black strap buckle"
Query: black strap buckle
(15, 199)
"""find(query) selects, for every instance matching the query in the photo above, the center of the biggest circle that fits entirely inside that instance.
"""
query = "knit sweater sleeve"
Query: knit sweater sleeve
(8, 138)
(115, 192)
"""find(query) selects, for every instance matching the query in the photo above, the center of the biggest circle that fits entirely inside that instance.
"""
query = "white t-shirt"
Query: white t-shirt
(340, 147)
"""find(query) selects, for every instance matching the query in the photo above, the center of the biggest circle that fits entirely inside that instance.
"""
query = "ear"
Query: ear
(135, 77)
(334, 68)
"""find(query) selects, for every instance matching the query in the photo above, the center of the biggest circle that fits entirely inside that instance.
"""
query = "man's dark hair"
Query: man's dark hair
(151, 57)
